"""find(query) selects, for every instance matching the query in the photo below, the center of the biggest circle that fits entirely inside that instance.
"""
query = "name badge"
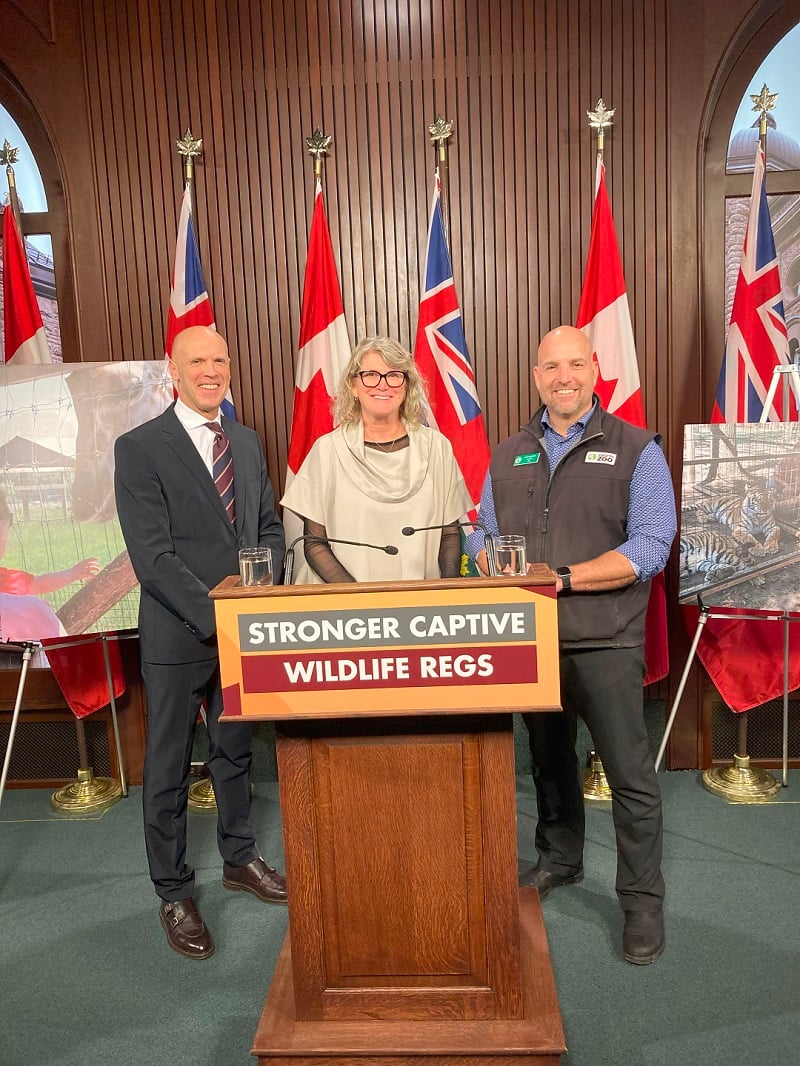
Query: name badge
(606, 458)
(524, 460)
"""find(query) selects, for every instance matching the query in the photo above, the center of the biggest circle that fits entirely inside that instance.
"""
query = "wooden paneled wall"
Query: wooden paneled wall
(254, 79)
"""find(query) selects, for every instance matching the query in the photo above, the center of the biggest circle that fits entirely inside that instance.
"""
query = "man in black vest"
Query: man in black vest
(593, 496)
(192, 488)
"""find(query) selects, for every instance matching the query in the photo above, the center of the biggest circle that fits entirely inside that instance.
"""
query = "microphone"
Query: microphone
(488, 543)
(288, 566)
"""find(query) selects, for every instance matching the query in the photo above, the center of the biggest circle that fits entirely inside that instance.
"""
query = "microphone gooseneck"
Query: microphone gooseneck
(488, 543)
(288, 570)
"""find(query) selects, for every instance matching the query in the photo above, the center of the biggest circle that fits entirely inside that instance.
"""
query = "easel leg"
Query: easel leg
(785, 775)
(113, 704)
(26, 658)
(701, 621)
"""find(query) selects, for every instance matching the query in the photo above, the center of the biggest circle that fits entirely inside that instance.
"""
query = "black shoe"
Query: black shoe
(643, 936)
(546, 880)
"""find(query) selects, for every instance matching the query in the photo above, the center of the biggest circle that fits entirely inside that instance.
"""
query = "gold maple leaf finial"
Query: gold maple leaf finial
(189, 146)
(764, 101)
(600, 118)
(319, 145)
(8, 155)
(441, 130)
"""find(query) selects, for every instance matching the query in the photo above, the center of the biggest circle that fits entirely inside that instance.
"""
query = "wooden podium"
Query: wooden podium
(410, 940)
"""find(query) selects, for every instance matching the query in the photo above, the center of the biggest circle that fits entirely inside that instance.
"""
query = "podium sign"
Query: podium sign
(387, 649)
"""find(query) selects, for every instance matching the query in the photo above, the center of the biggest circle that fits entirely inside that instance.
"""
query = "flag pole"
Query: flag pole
(321, 354)
(595, 783)
(9, 156)
(738, 780)
(201, 793)
(441, 131)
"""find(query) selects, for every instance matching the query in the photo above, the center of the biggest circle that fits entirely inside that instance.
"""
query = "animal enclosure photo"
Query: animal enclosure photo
(740, 515)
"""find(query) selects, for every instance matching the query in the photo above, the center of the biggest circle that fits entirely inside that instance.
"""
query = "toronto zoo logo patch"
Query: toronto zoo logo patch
(608, 458)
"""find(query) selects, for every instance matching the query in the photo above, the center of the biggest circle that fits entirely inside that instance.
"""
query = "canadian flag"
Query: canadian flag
(25, 338)
(324, 352)
(324, 348)
(604, 316)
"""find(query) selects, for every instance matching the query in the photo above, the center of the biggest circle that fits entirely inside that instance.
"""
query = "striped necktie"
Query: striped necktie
(223, 469)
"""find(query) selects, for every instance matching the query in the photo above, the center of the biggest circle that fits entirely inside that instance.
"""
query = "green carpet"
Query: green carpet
(86, 977)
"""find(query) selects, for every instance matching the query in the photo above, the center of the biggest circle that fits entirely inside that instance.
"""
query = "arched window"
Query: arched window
(44, 218)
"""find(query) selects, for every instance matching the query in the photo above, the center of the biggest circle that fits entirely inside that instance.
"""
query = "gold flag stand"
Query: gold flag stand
(596, 788)
(89, 794)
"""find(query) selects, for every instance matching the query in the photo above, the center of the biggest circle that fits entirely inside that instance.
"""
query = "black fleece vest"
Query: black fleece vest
(576, 515)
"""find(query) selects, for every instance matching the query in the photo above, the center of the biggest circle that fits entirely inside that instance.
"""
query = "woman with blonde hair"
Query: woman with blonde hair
(379, 471)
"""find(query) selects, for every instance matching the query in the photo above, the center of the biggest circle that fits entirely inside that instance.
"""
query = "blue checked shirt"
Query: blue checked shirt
(651, 510)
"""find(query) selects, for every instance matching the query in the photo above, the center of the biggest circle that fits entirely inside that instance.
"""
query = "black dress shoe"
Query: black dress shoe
(186, 931)
(258, 878)
(547, 880)
(643, 937)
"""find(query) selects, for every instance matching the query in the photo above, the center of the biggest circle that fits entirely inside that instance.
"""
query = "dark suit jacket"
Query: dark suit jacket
(178, 536)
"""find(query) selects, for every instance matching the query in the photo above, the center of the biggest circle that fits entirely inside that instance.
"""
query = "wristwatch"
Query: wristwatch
(565, 574)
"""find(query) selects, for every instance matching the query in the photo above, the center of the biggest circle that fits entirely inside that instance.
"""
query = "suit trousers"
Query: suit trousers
(175, 693)
(604, 687)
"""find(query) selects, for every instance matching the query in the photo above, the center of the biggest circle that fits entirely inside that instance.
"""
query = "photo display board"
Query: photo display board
(64, 567)
(740, 515)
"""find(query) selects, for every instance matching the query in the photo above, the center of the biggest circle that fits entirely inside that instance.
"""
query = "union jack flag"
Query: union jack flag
(757, 340)
(189, 302)
(443, 360)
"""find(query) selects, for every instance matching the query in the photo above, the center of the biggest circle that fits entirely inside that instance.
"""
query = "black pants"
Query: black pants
(174, 697)
(604, 687)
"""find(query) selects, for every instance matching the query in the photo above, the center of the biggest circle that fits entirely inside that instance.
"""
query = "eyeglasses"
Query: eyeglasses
(393, 378)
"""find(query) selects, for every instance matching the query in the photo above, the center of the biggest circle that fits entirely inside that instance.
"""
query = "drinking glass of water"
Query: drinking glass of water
(509, 556)
(255, 566)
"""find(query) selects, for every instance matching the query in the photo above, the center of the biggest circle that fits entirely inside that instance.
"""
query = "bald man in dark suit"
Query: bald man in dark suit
(183, 532)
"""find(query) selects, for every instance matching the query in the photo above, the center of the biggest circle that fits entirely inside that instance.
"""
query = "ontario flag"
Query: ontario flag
(443, 360)
(604, 316)
(745, 658)
(324, 352)
(757, 340)
(25, 338)
(189, 302)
